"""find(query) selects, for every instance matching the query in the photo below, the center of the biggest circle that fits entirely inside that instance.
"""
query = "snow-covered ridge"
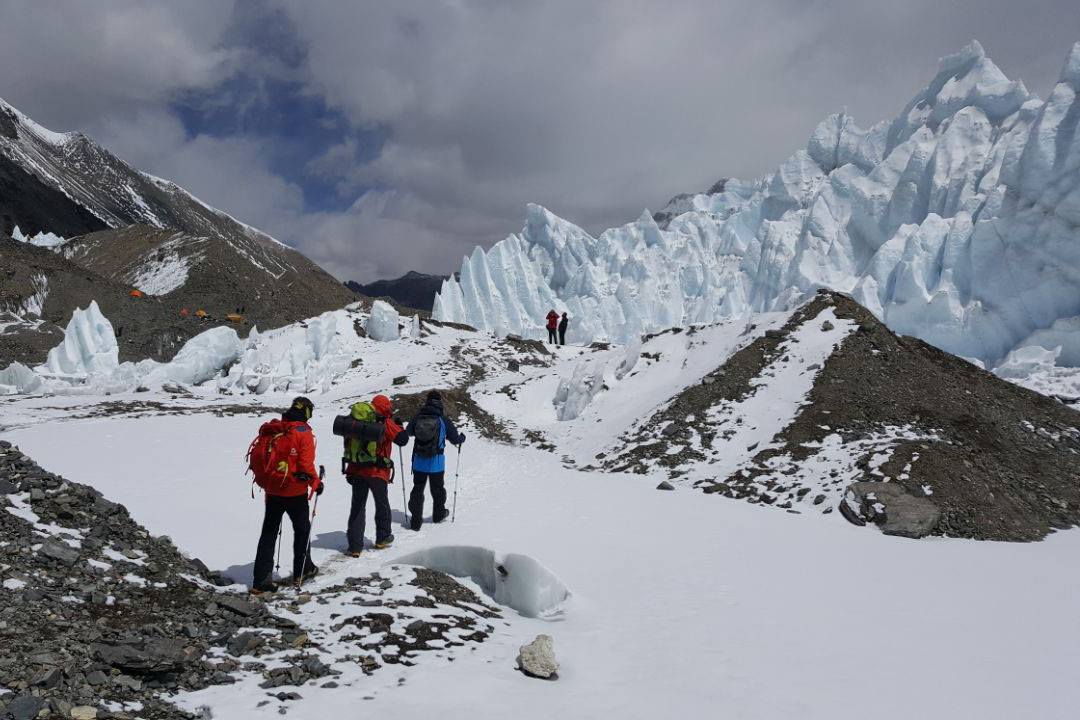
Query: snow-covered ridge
(43, 133)
(121, 195)
(957, 222)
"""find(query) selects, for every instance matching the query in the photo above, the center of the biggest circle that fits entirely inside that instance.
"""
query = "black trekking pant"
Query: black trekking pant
(551, 336)
(562, 336)
(380, 491)
(297, 509)
(438, 498)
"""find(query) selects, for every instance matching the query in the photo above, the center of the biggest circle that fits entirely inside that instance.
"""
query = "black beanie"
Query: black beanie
(301, 410)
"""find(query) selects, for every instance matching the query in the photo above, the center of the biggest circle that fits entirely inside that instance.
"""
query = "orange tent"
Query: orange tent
(235, 317)
(200, 313)
(136, 293)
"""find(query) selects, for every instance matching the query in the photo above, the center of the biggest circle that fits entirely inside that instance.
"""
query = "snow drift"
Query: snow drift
(956, 222)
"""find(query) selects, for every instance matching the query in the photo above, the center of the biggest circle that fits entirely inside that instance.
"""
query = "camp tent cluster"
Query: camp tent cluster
(236, 317)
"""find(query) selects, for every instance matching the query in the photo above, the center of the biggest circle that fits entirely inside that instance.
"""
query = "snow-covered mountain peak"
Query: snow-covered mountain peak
(23, 125)
(138, 231)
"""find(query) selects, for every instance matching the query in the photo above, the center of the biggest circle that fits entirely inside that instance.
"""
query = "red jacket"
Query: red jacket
(553, 320)
(383, 449)
(305, 463)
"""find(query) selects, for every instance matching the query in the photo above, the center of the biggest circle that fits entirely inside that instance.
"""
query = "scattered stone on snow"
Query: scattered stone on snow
(537, 659)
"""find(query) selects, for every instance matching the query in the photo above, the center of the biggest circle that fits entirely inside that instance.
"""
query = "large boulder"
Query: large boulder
(149, 656)
(890, 506)
(537, 659)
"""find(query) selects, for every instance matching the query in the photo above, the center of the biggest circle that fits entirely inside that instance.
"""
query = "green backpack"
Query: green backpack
(364, 451)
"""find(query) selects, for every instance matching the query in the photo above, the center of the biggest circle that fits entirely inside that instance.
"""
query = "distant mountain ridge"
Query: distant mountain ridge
(146, 233)
(412, 290)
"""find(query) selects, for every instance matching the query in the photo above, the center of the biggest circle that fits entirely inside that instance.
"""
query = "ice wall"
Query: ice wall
(958, 222)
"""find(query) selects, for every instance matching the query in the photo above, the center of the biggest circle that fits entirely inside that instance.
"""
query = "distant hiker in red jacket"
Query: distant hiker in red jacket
(369, 468)
(552, 326)
(282, 458)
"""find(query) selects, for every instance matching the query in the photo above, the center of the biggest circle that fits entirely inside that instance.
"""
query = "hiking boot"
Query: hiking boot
(267, 587)
(309, 572)
(384, 543)
(354, 553)
(416, 524)
(439, 515)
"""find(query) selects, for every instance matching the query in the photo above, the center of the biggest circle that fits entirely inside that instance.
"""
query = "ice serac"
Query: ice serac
(958, 222)
(16, 378)
(382, 325)
(201, 358)
(89, 347)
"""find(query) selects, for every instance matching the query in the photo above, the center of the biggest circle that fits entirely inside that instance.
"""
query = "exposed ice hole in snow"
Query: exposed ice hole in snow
(517, 581)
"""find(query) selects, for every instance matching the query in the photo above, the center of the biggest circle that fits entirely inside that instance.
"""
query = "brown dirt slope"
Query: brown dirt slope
(103, 266)
(148, 328)
(1005, 464)
(276, 288)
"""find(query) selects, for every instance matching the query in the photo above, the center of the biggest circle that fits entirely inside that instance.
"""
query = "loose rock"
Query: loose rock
(537, 659)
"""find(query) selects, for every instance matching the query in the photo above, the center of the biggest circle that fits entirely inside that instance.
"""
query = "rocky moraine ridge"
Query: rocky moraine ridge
(100, 619)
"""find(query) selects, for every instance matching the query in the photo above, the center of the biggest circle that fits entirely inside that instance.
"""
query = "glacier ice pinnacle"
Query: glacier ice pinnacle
(89, 346)
(382, 325)
(957, 222)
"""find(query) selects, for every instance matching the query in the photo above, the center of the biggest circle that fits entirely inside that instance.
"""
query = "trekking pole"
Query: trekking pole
(457, 478)
(404, 501)
(311, 526)
(277, 558)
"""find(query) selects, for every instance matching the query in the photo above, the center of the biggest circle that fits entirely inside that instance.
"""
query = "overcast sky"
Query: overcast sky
(381, 136)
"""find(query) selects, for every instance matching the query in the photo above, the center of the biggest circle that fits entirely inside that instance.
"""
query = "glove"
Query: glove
(399, 421)
(319, 490)
(462, 440)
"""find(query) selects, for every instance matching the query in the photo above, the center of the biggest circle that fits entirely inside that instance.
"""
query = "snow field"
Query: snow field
(681, 604)
(167, 269)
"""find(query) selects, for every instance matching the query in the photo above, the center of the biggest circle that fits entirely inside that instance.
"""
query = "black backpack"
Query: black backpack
(426, 430)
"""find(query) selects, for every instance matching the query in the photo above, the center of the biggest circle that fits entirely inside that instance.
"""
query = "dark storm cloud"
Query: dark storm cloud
(595, 109)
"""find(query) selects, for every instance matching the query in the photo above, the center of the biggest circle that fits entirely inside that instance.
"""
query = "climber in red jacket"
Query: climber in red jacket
(553, 327)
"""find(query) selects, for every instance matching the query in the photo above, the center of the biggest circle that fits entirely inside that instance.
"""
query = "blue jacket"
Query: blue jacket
(447, 432)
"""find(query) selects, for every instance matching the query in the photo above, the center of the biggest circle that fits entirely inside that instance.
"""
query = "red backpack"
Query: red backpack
(272, 455)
